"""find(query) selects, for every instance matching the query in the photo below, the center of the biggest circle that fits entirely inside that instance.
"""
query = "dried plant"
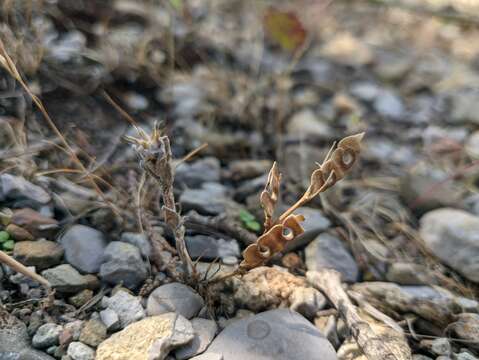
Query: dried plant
(156, 159)
(287, 226)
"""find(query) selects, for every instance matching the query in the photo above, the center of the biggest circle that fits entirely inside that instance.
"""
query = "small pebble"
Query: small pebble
(79, 351)
(46, 336)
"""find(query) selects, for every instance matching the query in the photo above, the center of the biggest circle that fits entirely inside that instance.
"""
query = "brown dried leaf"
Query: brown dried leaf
(269, 196)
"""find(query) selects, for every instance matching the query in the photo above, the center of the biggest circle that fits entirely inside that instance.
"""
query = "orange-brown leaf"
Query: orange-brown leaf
(284, 28)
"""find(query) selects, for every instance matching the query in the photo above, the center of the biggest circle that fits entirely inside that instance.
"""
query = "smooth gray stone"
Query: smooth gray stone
(279, 334)
(453, 236)
(84, 248)
(20, 190)
(328, 252)
(174, 297)
(64, 278)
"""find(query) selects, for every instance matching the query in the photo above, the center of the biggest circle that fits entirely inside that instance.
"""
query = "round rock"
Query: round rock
(279, 334)
(84, 247)
(174, 297)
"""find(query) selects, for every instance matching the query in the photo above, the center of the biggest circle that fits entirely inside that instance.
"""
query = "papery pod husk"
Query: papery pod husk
(335, 168)
(270, 194)
(272, 242)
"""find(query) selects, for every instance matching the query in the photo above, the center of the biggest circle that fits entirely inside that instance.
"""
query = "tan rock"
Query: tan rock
(265, 288)
(42, 253)
(18, 233)
(149, 339)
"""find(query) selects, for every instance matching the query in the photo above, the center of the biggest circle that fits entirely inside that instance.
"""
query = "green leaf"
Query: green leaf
(177, 4)
(253, 225)
(4, 236)
(8, 245)
(246, 216)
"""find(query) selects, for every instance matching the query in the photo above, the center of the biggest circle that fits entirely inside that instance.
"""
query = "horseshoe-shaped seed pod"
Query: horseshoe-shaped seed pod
(287, 226)
(272, 242)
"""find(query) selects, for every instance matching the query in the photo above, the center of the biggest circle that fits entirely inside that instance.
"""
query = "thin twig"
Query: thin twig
(19, 267)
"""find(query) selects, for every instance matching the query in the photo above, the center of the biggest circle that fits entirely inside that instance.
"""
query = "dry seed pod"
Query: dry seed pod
(272, 242)
(336, 166)
(287, 226)
(269, 196)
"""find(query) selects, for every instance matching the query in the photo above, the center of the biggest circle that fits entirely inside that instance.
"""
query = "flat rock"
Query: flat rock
(16, 188)
(437, 304)
(453, 236)
(151, 338)
(174, 297)
(64, 278)
(210, 248)
(279, 334)
(196, 173)
(123, 264)
(209, 200)
(18, 233)
(126, 306)
(42, 253)
(328, 252)
(84, 248)
(34, 222)
(205, 330)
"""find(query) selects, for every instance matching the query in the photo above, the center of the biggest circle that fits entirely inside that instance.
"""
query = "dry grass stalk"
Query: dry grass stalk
(373, 345)
(156, 158)
(7, 63)
(287, 226)
(19, 267)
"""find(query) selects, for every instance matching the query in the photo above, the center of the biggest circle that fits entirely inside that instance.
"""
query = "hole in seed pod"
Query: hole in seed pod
(264, 251)
(287, 233)
(348, 158)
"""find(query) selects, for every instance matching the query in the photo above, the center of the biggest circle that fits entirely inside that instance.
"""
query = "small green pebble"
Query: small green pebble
(8, 245)
(4, 236)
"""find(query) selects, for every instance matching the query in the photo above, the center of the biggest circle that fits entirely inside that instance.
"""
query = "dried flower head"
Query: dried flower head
(288, 226)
